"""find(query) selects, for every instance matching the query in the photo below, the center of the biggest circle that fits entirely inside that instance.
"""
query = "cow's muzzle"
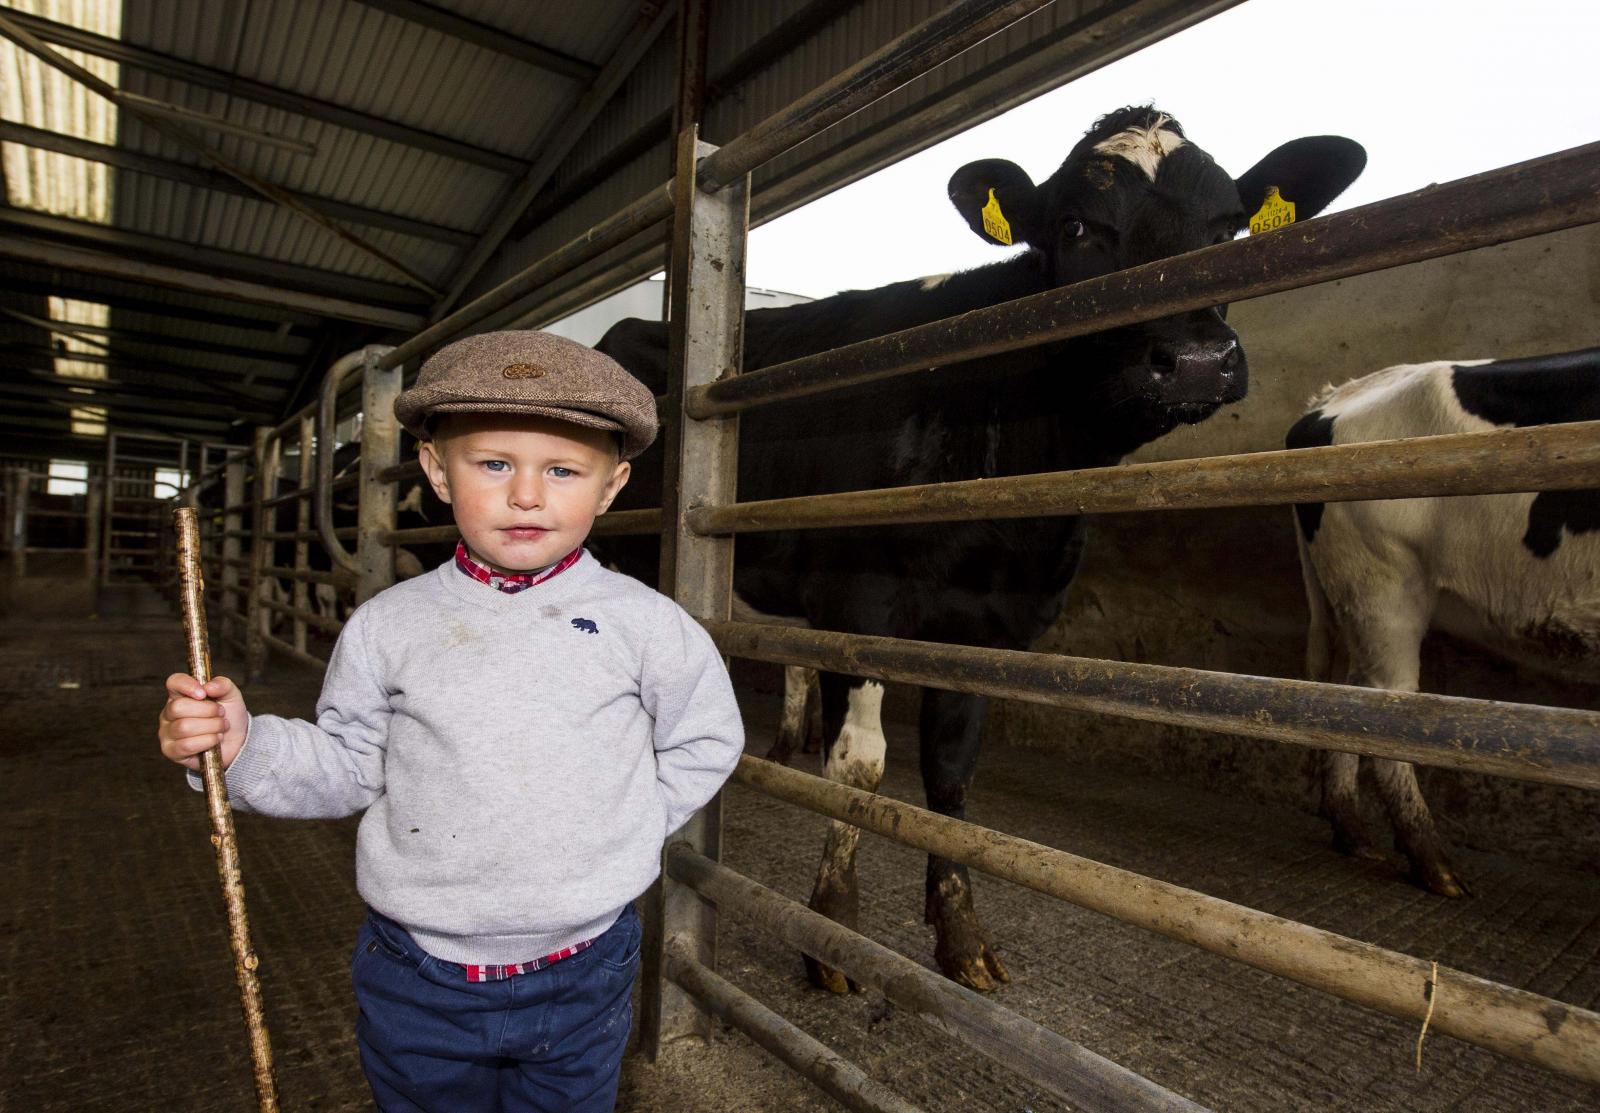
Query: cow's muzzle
(1199, 372)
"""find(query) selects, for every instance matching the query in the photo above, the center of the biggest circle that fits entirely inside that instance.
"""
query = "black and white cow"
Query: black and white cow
(1517, 574)
(1133, 190)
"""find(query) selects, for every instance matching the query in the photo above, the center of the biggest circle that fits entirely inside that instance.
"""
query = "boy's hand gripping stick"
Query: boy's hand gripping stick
(192, 588)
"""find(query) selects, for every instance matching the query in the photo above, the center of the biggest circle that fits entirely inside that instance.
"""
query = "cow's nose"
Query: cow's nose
(1220, 358)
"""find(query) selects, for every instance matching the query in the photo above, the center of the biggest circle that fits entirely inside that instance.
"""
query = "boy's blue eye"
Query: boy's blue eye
(560, 472)
(496, 465)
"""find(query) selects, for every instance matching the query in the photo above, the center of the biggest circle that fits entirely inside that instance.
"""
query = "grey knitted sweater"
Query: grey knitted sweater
(521, 757)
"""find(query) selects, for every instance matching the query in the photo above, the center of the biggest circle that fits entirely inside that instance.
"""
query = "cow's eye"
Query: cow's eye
(1072, 229)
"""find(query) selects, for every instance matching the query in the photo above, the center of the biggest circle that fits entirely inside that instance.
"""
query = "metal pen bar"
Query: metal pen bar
(1553, 745)
(814, 1061)
(291, 652)
(1511, 1021)
(1526, 199)
(1497, 461)
(1066, 1069)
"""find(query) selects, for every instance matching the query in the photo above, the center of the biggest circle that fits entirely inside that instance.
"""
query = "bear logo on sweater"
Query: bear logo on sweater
(586, 625)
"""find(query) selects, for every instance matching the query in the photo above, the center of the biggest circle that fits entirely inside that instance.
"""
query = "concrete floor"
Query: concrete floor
(116, 989)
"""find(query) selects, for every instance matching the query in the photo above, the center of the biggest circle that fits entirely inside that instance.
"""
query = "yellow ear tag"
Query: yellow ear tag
(994, 221)
(1275, 212)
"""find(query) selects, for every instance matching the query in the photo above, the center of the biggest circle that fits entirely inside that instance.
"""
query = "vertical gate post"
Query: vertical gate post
(17, 525)
(232, 521)
(300, 593)
(705, 344)
(255, 647)
(109, 507)
(93, 507)
(380, 449)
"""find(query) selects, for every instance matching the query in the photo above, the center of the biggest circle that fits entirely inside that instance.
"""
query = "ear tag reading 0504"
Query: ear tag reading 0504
(1275, 212)
(994, 221)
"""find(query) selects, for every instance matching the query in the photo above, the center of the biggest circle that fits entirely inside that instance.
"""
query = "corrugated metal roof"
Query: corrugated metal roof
(411, 118)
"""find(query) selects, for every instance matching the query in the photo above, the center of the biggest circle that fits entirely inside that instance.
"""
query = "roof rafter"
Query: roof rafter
(217, 386)
(50, 407)
(221, 81)
(566, 128)
(805, 23)
(129, 395)
(490, 38)
(103, 336)
(219, 182)
(207, 259)
(223, 314)
(42, 355)
(185, 136)
(90, 261)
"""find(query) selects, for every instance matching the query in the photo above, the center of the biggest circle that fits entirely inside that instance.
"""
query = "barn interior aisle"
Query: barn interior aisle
(116, 988)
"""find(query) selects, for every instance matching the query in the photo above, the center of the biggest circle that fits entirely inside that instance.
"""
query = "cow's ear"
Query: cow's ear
(996, 198)
(1310, 172)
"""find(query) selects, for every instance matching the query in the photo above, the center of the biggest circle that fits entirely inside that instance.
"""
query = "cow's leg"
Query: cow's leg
(1415, 834)
(801, 697)
(327, 600)
(1385, 647)
(951, 725)
(853, 755)
(1341, 805)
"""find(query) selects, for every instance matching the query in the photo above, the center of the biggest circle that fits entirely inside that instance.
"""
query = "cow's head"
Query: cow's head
(1134, 190)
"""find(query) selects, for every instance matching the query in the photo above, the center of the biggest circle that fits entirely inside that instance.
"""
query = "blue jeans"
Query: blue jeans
(433, 1042)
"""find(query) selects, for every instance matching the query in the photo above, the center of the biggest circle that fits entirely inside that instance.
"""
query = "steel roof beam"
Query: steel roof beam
(130, 396)
(490, 38)
(221, 81)
(784, 38)
(107, 338)
(215, 180)
(47, 408)
(55, 444)
(557, 141)
(44, 356)
(90, 261)
(263, 330)
(207, 259)
(159, 122)
(212, 386)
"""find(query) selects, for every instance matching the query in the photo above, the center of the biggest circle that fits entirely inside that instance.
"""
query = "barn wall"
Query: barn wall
(1221, 589)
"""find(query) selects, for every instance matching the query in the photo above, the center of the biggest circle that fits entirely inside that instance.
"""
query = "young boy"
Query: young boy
(523, 729)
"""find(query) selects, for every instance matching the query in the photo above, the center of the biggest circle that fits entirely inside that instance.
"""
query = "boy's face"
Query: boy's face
(525, 489)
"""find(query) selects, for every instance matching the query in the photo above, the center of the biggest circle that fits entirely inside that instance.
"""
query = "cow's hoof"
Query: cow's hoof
(980, 969)
(826, 977)
(1439, 878)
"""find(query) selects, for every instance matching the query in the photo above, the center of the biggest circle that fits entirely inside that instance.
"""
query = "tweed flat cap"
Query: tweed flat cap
(527, 372)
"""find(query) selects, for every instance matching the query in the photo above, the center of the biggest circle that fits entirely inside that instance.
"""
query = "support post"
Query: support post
(380, 449)
(301, 596)
(257, 615)
(232, 523)
(93, 507)
(109, 508)
(706, 344)
(17, 525)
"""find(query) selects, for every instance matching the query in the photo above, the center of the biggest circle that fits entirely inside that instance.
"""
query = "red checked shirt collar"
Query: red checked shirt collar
(512, 582)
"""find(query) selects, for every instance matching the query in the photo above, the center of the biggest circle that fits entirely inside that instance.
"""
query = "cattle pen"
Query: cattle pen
(702, 214)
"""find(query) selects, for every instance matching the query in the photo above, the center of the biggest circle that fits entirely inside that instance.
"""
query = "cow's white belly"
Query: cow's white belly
(1491, 589)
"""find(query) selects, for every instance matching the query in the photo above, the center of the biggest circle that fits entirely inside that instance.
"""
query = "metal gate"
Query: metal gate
(708, 202)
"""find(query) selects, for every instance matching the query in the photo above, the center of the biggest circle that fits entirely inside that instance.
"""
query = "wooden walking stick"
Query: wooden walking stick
(192, 587)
